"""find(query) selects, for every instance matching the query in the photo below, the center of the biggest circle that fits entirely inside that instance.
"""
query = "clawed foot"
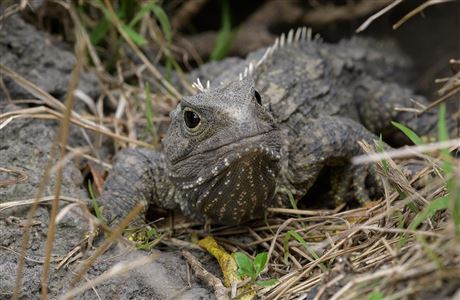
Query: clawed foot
(356, 182)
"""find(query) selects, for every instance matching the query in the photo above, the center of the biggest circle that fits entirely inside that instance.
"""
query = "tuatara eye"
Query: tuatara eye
(191, 118)
(258, 98)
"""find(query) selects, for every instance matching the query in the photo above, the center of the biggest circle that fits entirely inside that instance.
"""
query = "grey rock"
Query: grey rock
(33, 55)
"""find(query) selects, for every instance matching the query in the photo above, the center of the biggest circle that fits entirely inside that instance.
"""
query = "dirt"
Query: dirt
(25, 147)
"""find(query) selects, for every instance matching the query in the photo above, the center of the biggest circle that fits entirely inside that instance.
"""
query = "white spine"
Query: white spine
(293, 37)
(290, 37)
(297, 35)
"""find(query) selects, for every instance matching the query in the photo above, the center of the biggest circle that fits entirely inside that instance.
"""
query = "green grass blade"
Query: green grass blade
(409, 133)
(100, 31)
(376, 295)
(269, 282)
(147, 246)
(434, 206)
(141, 13)
(225, 36)
(97, 209)
(442, 124)
(449, 171)
(300, 239)
(381, 148)
(149, 115)
(164, 21)
(133, 35)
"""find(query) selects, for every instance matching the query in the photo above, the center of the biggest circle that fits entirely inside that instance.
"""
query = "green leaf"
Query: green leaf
(245, 267)
(151, 232)
(442, 124)
(225, 36)
(260, 261)
(141, 13)
(376, 295)
(97, 209)
(381, 148)
(286, 247)
(100, 31)
(434, 206)
(149, 245)
(269, 282)
(149, 115)
(164, 21)
(134, 36)
(127, 9)
(409, 133)
(159, 13)
(300, 239)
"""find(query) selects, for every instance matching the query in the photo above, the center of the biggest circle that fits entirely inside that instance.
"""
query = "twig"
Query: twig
(34, 112)
(405, 152)
(441, 99)
(219, 289)
(378, 15)
(303, 212)
(417, 10)
(11, 204)
(21, 176)
(63, 136)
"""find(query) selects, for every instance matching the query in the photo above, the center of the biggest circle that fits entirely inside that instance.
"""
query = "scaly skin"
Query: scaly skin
(303, 109)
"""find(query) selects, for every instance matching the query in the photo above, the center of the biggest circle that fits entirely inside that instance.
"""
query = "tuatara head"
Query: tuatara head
(223, 152)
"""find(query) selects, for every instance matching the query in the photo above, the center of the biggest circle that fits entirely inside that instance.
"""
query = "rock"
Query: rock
(33, 55)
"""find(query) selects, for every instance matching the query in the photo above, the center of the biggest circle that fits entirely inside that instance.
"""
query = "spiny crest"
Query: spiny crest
(199, 86)
(293, 37)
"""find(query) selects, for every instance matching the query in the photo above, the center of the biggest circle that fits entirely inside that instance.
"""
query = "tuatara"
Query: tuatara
(277, 119)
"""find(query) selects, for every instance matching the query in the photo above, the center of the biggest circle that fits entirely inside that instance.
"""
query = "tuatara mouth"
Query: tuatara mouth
(234, 144)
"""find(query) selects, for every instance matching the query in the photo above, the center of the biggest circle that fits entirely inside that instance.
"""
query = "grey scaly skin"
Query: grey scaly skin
(301, 107)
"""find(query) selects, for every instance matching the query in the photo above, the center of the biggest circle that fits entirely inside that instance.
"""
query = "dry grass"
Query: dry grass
(352, 254)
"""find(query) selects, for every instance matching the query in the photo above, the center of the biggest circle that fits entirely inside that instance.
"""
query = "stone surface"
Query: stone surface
(34, 55)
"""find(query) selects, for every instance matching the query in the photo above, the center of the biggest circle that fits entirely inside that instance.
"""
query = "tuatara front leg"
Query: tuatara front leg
(139, 175)
(329, 142)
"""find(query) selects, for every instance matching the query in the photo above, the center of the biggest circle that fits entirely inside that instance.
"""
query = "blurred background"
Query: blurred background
(195, 31)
